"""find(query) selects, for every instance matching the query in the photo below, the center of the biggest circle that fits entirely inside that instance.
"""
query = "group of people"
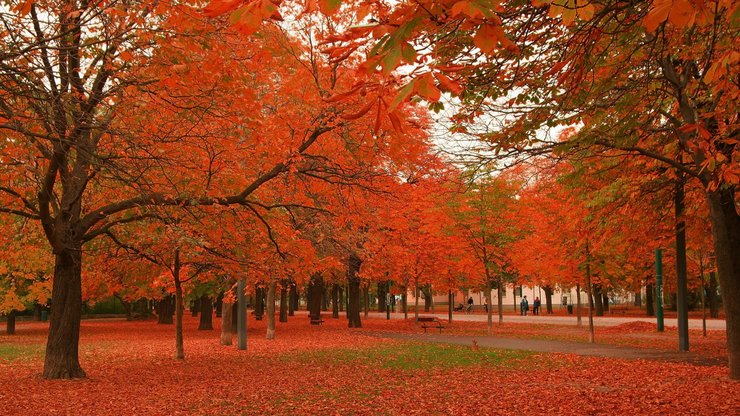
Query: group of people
(524, 306)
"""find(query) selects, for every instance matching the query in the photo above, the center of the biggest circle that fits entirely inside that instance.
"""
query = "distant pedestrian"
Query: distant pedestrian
(485, 304)
(470, 304)
(536, 306)
(524, 304)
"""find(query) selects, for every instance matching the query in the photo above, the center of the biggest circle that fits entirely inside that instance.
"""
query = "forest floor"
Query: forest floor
(386, 367)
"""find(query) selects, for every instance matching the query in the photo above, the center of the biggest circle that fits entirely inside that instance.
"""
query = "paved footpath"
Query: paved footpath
(565, 347)
(601, 321)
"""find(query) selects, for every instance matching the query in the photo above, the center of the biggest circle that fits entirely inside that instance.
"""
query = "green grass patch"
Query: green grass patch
(15, 352)
(417, 356)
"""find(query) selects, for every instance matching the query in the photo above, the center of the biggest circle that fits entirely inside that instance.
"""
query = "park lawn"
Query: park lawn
(330, 369)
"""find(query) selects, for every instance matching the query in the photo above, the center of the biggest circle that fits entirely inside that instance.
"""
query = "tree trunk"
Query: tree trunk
(638, 299)
(578, 307)
(489, 312)
(416, 300)
(37, 312)
(241, 315)
(194, 307)
(292, 299)
(227, 330)
(450, 301)
(353, 291)
(405, 303)
(682, 292)
(10, 323)
(605, 300)
(335, 301)
(219, 304)
(166, 310)
(271, 310)
(206, 314)
(726, 235)
(235, 316)
(128, 308)
(589, 290)
(712, 297)
(500, 301)
(62, 346)
(259, 302)
(284, 301)
(341, 298)
(179, 345)
(382, 292)
(597, 299)
(649, 301)
(426, 290)
(548, 298)
(366, 295)
(315, 293)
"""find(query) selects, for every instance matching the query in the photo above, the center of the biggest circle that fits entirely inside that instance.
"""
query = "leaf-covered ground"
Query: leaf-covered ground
(333, 370)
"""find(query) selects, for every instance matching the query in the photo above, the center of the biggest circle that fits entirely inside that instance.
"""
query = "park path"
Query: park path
(565, 347)
(600, 321)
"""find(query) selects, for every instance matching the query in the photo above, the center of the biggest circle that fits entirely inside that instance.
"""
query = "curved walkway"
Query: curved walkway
(565, 347)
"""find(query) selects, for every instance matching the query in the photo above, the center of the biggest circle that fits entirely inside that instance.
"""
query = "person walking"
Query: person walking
(524, 304)
(536, 306)
(470, 304)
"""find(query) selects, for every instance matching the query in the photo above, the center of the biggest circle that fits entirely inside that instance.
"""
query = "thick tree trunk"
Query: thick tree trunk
(271, 310)
(548, 298)
(166, 310)
(726, 235)
(10, 323)
(179, 309)
(597, 299)
(649, 300)
(284, 302)
(712, 297)
(426, 290)
(315, 294)
(335, 301)
(382, 292)
(227, 330)
(62, 346)
(206, 314)
(605, 300)
(638, 299)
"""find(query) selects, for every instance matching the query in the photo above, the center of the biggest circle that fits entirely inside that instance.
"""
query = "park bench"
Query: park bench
(618, 309)
(430, 322)
(315, 320)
